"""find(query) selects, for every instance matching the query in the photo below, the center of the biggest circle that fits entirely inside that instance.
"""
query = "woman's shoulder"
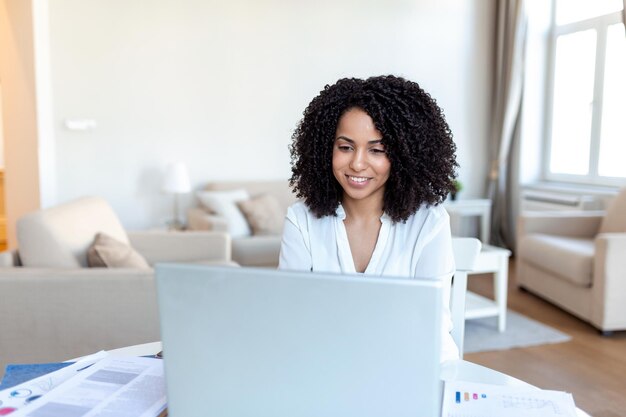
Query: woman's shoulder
(302, 217)
(428, 215)
(298, 209)
(426, 223)
(437, 211)
(430, 212)
(299, 213)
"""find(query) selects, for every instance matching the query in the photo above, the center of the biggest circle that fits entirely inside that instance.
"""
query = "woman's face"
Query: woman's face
(360, 163)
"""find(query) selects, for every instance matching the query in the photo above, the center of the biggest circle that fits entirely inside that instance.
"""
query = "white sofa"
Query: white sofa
(577, 260)
(249, 250)
(54, 307)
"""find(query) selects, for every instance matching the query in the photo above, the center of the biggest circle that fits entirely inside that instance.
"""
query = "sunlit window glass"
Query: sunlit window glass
(568, 11)
(613, 137)
(572, 103)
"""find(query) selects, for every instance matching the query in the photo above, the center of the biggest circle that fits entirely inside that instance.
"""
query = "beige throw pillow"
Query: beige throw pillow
(264, 215)
(224, 203)
(108, 252)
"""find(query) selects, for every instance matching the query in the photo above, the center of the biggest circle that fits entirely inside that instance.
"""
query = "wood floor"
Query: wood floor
(590, 366)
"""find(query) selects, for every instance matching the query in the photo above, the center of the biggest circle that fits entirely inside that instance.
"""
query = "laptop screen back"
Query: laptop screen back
(253, 342)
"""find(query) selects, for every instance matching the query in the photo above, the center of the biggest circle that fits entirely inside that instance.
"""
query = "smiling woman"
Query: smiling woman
(371, 160)
(412, 129)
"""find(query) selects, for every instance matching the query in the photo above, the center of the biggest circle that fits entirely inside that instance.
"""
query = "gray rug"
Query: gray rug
(482, 334)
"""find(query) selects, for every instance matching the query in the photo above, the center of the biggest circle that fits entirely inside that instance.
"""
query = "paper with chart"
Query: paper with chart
(470, 399)
(19, 396)
(113, 386)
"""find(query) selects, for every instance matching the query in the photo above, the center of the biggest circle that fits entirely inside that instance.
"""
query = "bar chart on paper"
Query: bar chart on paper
(469, 399)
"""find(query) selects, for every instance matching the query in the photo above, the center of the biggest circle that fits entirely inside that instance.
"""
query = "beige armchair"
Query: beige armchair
(54, 308)
(577, 260)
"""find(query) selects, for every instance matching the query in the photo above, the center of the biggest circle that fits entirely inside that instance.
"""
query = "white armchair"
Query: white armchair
(577, 260)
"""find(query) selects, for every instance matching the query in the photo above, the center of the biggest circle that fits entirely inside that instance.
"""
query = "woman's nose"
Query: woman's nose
(358, 161)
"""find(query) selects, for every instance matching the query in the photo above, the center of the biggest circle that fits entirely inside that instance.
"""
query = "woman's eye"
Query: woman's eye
(344, 148)
(378, 151)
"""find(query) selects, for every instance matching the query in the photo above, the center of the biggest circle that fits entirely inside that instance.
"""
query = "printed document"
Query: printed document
(113, 386)
(470, 399)
(21, 395)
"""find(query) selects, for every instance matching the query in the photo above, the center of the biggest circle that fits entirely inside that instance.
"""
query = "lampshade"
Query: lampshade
(177, 179)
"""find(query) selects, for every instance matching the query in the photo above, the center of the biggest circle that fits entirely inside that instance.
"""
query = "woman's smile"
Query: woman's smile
(358, 180)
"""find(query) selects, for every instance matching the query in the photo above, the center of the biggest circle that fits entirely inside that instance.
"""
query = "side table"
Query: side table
(475, 207)
(491, 259)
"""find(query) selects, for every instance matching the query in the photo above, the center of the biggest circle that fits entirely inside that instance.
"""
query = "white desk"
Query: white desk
(145, 349)
(476, 207)
(467, 371)
(453, 370)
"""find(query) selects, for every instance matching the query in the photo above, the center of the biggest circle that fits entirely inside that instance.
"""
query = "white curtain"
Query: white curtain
(506, 115)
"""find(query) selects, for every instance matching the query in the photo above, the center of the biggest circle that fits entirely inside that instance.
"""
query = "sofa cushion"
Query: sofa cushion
(59, 236)
(615, 219)
(107, 252)
(264, 215)
(277, 188)
(567, 257)
(224, 203)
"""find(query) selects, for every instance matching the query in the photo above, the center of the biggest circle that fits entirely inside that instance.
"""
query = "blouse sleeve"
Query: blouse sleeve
(295, 254)
(437, 260)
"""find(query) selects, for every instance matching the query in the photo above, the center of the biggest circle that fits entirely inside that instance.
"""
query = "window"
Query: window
(586, 95)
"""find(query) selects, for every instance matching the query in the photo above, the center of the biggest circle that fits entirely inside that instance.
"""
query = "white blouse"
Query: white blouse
(419, 247)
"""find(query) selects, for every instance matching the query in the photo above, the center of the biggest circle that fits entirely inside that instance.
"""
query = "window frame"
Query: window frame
(600, 24)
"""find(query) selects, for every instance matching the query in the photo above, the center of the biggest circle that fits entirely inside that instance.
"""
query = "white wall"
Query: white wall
(221, 85)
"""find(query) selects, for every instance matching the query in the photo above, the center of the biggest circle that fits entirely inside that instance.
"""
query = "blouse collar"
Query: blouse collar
(341, 215)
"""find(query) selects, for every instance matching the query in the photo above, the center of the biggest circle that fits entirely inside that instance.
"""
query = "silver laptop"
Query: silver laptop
(256, 342)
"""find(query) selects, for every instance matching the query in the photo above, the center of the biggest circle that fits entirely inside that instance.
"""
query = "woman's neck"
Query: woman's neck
(362, 210)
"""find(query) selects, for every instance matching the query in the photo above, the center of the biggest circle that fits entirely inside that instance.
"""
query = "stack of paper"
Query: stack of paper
(97, 385)
(471, 399)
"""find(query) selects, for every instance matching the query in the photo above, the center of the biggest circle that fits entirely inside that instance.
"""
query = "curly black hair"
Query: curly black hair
(417, 140)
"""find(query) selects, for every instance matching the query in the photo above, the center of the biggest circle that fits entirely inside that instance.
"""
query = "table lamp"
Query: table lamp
(177, 183)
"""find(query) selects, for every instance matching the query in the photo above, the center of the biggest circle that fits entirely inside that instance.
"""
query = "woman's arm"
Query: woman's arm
(437, 260)
(295, 253)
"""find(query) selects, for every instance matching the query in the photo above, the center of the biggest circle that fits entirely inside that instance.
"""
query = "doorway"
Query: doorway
(3, 216)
